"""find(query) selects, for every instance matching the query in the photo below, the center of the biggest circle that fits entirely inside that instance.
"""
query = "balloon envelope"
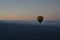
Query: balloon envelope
(40, 18)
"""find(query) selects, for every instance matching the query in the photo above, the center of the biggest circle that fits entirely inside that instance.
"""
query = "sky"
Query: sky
(29, 9)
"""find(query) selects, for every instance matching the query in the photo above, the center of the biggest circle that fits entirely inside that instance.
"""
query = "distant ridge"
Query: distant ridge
(33, 22)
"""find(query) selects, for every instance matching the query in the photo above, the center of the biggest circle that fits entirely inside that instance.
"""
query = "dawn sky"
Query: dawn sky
(29, 9)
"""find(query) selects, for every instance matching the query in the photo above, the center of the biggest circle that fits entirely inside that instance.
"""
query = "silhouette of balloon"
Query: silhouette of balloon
(40, 19)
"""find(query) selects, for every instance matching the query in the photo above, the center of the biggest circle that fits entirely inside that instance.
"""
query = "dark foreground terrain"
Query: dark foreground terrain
(9, 31)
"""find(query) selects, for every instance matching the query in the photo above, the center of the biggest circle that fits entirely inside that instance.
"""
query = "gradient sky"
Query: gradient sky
(29, 9)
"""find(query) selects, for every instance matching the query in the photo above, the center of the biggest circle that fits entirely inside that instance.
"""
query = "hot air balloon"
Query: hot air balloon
(40, 19)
